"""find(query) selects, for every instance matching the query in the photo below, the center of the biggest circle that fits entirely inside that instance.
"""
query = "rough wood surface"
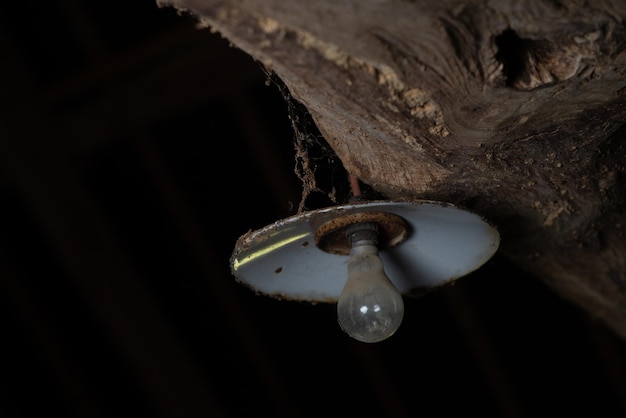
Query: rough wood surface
(514, 109)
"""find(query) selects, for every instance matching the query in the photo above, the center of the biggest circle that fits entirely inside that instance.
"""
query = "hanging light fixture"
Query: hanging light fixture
(365, 257)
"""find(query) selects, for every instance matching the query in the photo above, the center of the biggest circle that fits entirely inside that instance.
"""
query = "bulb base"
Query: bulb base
(362, 233)
(333, 236)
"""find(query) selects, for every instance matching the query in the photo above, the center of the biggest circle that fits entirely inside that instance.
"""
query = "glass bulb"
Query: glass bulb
(370, 308)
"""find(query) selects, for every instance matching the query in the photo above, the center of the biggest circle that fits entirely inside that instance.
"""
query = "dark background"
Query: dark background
(134, 150)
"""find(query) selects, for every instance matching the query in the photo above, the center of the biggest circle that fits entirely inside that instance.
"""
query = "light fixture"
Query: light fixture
(365, 257)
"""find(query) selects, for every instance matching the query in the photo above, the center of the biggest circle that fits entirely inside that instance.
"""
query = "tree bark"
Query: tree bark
(513, 109)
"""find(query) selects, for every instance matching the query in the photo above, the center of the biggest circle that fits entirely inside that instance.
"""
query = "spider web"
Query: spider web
(323, 177)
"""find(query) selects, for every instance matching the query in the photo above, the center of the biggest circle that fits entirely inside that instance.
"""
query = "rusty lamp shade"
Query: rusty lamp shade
(422, 245)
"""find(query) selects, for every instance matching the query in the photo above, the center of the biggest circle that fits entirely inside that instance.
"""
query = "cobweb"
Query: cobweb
(324, 179)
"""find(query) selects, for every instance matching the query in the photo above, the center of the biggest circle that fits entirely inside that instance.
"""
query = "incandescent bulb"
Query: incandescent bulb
(370, 308)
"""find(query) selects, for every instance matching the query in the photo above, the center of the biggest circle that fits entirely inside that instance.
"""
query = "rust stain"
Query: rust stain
(331, 236)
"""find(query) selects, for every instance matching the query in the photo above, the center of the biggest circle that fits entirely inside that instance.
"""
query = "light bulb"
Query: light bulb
(370, 308)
